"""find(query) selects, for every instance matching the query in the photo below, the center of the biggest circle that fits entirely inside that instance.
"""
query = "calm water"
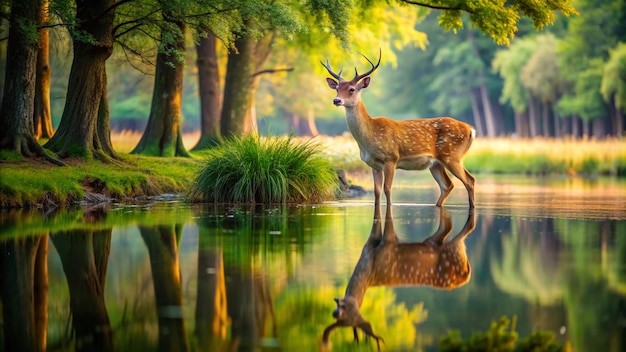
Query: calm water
(164, 275)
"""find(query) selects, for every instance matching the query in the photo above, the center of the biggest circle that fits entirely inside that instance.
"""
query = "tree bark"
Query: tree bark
(238, 85)
(18, 103)
(79, 133)
(83, 261)
(163, 135)
(163, 250)
(209, 91)
(42, 118)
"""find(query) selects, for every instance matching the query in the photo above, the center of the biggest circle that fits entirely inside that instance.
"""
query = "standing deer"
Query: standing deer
(385, 261)
(386, 145)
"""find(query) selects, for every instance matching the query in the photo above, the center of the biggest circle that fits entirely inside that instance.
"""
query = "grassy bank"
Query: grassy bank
(37, 183)
(516, 156)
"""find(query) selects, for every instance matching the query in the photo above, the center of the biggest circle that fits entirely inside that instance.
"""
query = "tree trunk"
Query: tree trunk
(209, 91)
(42, 118)
(311, 126)
(251, 125)
(237, 87)
(532, 118)
(80, 133)
(489, 117)
(20, 290)
(84, 273)
(293, 122)
(545, 118)
(476, 112)
(163, 250)
(163, 135)
(18, 103)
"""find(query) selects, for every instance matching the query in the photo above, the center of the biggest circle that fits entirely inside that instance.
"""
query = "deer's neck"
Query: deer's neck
(360, 279)
(358, 120)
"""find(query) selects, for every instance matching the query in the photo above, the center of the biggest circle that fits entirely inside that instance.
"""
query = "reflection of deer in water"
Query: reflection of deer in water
(386, 262)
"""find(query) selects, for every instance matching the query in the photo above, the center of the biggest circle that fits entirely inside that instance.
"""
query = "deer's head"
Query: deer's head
(349, 92)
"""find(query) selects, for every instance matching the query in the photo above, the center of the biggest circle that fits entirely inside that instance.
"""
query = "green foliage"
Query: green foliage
(509, 63)
(268, 170)
(499, 19)
(613, 85)
(500, 337)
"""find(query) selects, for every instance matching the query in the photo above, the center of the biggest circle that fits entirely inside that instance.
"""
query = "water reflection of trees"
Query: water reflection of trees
(24, 292)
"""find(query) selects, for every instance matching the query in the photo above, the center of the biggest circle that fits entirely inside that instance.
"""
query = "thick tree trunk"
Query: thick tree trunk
(163, 250)
(163, 135)
(42, 118)
(237, 87)
(21, 294)
(18, 103)
(209, 91)
(83, 262)
(78, 133)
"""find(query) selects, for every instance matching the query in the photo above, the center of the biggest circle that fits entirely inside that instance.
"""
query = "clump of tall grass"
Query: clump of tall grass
(253, 169)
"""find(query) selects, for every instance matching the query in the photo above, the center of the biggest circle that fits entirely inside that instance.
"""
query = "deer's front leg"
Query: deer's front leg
(390, 170)
(378, 184)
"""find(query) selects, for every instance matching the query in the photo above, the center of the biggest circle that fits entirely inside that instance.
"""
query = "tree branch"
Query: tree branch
(262, 72)
(437, 7)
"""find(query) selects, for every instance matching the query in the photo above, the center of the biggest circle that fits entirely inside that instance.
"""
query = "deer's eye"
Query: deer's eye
(351, 89)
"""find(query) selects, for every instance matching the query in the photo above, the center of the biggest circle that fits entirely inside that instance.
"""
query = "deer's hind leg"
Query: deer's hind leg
(460, 172)
(442, 178)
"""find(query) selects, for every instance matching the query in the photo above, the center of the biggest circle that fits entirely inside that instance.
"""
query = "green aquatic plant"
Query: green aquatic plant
(252, 169)
(501, 337)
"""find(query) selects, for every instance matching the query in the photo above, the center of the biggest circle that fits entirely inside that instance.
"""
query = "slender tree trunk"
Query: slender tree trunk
(476, 112)
(599, 128)
(532, 118)
(18, 103)
(545, 118)
(164, 263)
(209, 91)
(311, 125)
(83, 269)
(558, 128)
(586, 130)
(78, 133)
(42, 118)
(163, 135)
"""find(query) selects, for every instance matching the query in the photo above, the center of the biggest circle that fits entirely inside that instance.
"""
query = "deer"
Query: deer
(385, 144)
(385, 261)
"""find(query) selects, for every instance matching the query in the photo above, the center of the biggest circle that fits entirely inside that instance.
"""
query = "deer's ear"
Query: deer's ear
(364, 83)
(332, 83)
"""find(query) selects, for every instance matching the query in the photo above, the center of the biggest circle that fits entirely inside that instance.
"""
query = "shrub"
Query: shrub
(501, 338)
(252, 169)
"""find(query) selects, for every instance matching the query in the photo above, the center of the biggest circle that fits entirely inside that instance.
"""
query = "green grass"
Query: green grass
(252, 169)
(34, 183)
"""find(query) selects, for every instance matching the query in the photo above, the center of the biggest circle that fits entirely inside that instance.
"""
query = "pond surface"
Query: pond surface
(164, 275)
